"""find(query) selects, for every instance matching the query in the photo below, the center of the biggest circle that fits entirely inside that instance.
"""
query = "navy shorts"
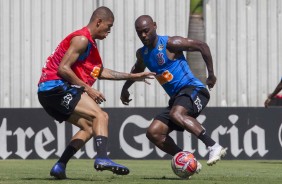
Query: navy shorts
(60, 101)
(191, 98)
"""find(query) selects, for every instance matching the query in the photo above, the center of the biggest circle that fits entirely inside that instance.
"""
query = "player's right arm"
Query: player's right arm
(138, 67)
(78, 46)
(178, 44)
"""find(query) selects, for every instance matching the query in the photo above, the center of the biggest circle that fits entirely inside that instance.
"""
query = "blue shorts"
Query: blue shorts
(193, 99)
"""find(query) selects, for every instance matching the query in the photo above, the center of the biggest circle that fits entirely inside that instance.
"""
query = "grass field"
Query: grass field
(142, 171)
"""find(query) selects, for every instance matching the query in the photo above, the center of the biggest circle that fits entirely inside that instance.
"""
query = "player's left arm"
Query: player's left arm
(115, 75)
(178, 44)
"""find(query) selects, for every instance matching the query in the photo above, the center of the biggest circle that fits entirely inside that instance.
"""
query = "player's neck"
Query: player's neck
(154, 44)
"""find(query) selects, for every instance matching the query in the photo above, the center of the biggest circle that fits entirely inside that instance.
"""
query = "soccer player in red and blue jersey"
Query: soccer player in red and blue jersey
(65, 91)
(188, 95)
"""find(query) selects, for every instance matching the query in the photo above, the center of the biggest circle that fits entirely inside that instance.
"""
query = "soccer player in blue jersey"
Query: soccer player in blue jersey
(272, 95)
(188, 95)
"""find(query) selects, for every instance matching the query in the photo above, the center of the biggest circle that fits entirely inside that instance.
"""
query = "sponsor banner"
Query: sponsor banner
(249, 133)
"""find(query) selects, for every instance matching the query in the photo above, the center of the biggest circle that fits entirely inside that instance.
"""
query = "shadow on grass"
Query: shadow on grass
(270, 162)
(162, 178)
(53, 179)
(97, 180)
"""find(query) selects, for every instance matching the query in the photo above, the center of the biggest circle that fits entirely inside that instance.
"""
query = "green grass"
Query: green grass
(142, 171)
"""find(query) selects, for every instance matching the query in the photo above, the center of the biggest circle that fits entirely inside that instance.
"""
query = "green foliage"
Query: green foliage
(196, 6)
(142, 171)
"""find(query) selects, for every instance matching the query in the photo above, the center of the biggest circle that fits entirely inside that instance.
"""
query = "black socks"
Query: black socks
(101, 143)
(68, 153)
(207, 140)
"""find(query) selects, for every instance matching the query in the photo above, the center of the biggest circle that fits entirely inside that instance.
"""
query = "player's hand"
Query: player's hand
(211, 80)
(124, 97)
(267, 101)
(143, 76)
(96, 95)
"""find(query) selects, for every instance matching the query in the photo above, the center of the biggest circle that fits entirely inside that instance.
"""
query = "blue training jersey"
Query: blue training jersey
(173, 75)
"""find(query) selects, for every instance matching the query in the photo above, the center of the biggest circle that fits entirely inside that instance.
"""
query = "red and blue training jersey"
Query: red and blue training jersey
(87, 67)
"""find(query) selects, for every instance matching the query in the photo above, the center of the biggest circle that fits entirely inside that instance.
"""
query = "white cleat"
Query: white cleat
(199, 167)
(216, 153)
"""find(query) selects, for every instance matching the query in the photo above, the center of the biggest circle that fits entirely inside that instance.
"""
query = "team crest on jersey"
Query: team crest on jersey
(160, 47)
(160, 58)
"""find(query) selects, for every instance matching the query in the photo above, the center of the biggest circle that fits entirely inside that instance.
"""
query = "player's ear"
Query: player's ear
(155, 25)
(98, 23)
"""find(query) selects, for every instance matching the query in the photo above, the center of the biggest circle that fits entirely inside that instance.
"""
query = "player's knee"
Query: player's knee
(153, 135)
(102, 117)
(149, 134)
(105, 116)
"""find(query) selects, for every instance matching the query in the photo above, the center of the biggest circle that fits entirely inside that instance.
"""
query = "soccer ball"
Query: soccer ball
(184, 164)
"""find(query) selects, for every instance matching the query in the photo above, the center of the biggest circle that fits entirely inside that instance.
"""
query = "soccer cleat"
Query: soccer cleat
(102, 164)
(216, 153)
(199, 167)
(58, 171)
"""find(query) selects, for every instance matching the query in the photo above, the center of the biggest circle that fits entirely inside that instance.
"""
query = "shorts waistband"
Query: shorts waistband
(48, 85)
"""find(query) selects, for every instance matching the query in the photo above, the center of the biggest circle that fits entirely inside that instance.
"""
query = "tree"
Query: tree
(197, 31)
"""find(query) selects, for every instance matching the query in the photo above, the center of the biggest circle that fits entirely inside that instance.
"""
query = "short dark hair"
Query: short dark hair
(103, 13)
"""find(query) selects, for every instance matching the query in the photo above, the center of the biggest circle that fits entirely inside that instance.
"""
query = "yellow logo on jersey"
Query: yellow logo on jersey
(165, 77)
(95, 72)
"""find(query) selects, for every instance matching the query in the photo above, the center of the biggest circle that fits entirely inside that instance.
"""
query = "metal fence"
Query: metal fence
(246, 41)
(31, 29)
(245, 37)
